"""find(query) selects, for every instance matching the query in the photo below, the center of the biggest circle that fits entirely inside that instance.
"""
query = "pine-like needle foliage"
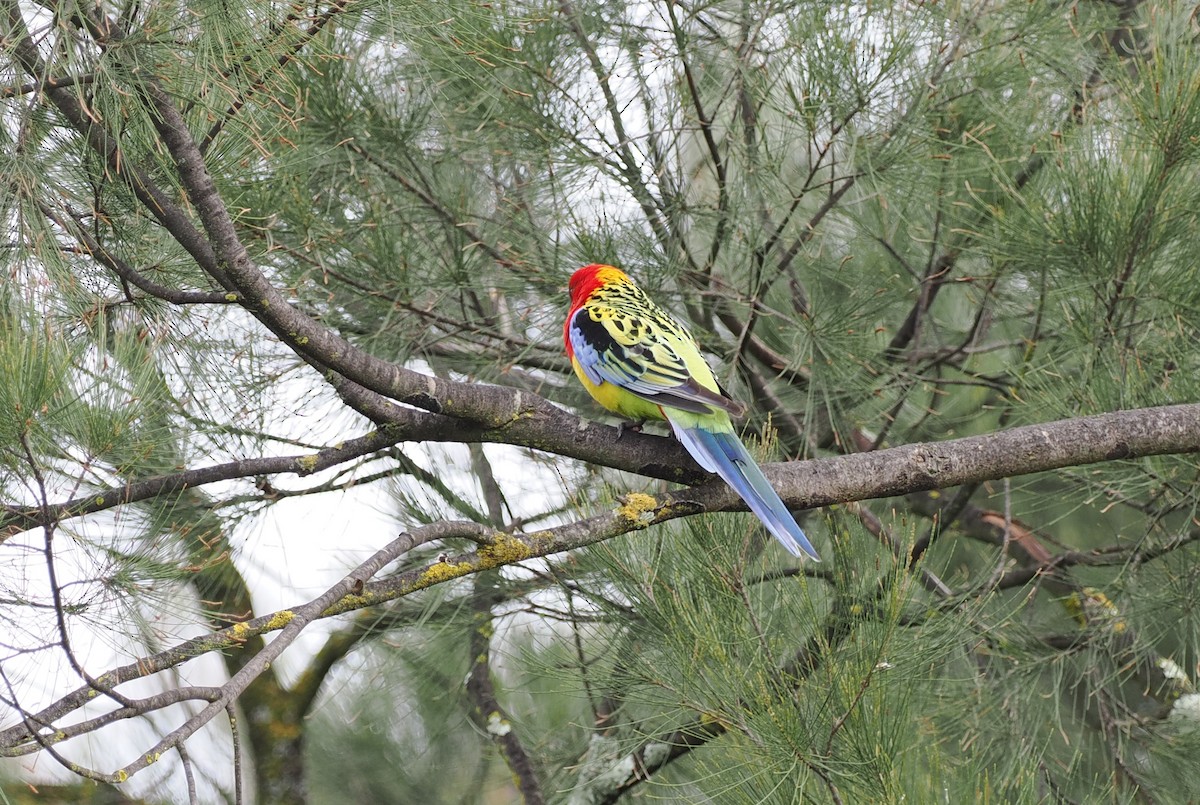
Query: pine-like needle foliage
(272, 274)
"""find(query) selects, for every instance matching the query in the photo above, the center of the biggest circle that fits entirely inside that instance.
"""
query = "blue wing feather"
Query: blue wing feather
(723, 453)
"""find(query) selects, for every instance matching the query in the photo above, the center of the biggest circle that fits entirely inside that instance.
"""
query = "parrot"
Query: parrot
(638, 361)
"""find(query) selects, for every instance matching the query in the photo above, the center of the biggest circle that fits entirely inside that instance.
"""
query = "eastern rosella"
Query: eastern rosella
(638, 361)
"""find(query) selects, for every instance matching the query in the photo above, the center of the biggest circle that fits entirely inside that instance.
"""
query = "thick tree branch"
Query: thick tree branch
(1171, 429)
(858, 476)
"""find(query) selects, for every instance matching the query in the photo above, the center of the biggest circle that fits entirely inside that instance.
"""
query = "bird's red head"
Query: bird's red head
(589, 278)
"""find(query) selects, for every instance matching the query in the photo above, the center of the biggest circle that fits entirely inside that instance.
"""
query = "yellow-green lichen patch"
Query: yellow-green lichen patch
(355, 601)
(231, 297)
(638, 508)
(442, 571)
(307, 463)
(503, 550)
(240, 632)
(280, 619)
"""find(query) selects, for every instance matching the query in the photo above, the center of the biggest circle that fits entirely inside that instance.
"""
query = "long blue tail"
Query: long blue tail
(722, 452)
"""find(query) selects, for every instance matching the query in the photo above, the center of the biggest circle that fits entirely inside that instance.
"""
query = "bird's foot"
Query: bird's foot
(634, 426)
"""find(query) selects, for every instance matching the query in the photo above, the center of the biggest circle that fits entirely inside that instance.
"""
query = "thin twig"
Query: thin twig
(235, 735)
(186, 762)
